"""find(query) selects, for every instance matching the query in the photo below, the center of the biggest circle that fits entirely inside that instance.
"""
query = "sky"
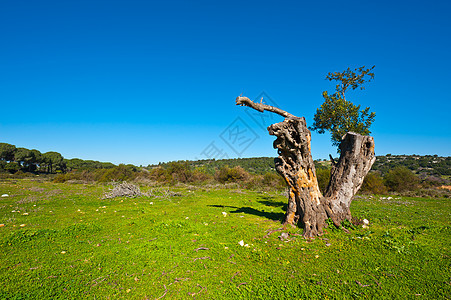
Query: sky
(143, 82)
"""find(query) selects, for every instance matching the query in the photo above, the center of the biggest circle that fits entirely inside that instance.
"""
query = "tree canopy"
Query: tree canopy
(339, 115)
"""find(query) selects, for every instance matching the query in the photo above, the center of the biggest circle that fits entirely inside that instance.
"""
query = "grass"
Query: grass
(73, 245)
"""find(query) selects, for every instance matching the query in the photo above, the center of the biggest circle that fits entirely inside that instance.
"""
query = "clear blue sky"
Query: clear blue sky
(147, 81)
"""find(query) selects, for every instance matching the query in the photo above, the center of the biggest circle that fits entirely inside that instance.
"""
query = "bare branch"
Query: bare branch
(245, 101)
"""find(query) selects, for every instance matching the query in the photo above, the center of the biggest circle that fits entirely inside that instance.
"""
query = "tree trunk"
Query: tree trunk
(295, 164)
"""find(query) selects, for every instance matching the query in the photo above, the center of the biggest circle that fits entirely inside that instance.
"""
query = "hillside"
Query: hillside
(421, 165)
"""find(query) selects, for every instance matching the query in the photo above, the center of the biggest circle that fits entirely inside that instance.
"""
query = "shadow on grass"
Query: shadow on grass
(252, 211)
(265, 214)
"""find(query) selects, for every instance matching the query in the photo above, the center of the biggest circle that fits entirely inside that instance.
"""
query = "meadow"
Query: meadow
(65, 241)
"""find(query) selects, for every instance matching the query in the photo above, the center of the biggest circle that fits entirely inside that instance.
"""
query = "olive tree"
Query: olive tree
(306, 204)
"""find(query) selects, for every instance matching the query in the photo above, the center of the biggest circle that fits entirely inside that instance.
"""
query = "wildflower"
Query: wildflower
(241, 243)
(25, 214)
(63, 252)
(22, 225)
(316, 256)
(224, 214)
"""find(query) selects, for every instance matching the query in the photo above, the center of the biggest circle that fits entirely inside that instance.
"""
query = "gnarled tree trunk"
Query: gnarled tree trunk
(295, 164)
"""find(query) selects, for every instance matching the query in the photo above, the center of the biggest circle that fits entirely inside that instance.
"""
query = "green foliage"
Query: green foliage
(119, 173)
(54, 161)
(373, 184)
(7, 152)
(400, 179)
(80, 164)
(340, 116)
(428, 164)
(12, 167)
(323, 176)
(235, 174)
(180, 171)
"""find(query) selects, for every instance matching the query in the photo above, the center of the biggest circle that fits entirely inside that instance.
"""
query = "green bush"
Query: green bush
(373, 184)
(12, 167)
(226, 174)
(401, 179)
(119, 173)
(180, 172)
(323, 176)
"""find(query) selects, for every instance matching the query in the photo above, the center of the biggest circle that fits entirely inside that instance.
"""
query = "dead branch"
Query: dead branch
(245, 101)
(123, 189)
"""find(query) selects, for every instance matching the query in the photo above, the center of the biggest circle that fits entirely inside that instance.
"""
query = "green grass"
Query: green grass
(75, 245)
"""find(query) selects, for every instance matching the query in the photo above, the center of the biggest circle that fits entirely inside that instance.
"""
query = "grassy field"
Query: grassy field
(65, 241)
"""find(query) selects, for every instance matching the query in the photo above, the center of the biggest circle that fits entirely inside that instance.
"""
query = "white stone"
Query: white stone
(366, 222)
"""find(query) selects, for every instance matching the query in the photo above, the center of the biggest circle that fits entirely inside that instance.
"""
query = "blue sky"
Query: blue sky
(147, 81)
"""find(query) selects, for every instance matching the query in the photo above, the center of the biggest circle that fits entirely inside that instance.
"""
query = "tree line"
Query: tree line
(390, 173)
(14, 159)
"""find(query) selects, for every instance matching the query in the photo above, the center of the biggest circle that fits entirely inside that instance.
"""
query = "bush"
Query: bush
(180, 172)
(12, 167)
(119, 173)
(373, 184)
(274, 181)
(400, 179)
(159, 174)
(226, 174)
(323, 176)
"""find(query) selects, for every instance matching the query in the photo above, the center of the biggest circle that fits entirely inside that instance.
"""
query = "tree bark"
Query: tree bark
(306, 204)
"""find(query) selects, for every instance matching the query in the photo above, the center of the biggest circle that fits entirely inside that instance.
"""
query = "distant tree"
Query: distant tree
(53, 160)
(339, 115)
(25, 158)
(12, 167)
(37, 159)
(7, 152)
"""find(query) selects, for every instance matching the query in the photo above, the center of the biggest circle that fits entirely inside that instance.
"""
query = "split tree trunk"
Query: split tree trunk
(306, 204)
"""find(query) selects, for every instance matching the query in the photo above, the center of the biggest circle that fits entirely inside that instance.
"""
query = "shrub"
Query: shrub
(119, 173)
(12, 167)
(373, 184)
(180, 171)
(273, 181)
(226, 174)
(159, 174)
(323, 176)
(400, 179)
